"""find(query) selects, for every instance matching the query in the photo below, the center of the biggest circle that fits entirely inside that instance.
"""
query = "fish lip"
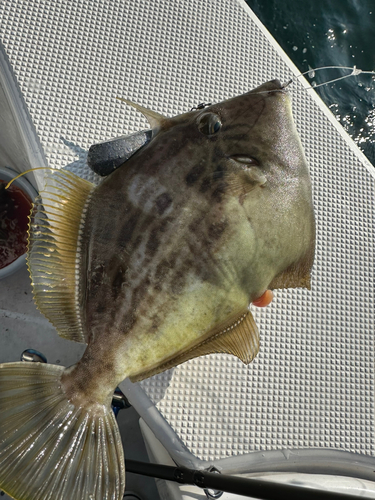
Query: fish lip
(276, 82)
(269, 87)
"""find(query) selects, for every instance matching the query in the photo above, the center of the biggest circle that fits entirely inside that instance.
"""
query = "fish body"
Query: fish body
(165, 255)
(185, 236)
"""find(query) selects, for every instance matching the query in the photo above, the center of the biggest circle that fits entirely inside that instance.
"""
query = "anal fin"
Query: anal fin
(240, 338)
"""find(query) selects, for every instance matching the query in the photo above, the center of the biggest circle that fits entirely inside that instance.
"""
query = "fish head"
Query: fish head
(251, 137)
(214, 210)
(241, 165)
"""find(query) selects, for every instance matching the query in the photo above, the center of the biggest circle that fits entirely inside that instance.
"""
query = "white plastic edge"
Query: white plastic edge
(21, 116)
(305, 460)
(344, 484)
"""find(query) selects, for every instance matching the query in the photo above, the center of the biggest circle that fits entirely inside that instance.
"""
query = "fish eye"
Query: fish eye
(209, 123)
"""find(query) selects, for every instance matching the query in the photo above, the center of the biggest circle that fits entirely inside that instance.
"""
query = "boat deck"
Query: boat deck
(311, 388)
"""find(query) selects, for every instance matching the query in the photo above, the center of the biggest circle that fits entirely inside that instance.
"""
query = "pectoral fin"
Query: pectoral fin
(240, 338)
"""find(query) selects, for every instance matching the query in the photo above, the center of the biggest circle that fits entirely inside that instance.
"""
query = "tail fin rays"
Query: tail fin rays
(49, 449)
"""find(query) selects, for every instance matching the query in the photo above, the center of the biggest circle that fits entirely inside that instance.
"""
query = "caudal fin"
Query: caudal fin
(49, 449)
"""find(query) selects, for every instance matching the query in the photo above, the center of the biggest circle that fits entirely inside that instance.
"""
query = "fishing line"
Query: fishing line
(27, 172)
(354, 72)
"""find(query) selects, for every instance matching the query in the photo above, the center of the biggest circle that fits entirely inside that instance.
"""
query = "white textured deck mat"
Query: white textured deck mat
(312, 384)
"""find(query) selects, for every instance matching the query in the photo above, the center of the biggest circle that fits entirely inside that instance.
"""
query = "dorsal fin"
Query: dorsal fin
(240, 338)
(54, 238)
(155, 119)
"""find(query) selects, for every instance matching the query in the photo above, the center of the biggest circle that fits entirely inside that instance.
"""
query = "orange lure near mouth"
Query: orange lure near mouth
(264, 300)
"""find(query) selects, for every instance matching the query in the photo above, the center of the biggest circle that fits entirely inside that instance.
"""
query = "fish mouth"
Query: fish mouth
(271, 86)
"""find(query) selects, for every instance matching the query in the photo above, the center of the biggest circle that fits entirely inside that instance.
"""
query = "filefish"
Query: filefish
(155, 266)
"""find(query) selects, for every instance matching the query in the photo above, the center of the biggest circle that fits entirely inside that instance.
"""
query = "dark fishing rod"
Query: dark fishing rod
(249, 487)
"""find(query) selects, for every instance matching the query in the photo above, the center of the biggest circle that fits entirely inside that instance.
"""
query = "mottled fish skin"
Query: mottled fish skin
(183, 237)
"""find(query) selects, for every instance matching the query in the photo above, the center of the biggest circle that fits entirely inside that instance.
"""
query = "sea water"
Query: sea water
(318, 33)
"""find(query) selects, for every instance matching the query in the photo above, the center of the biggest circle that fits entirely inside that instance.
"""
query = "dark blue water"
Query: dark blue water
(318, 33)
